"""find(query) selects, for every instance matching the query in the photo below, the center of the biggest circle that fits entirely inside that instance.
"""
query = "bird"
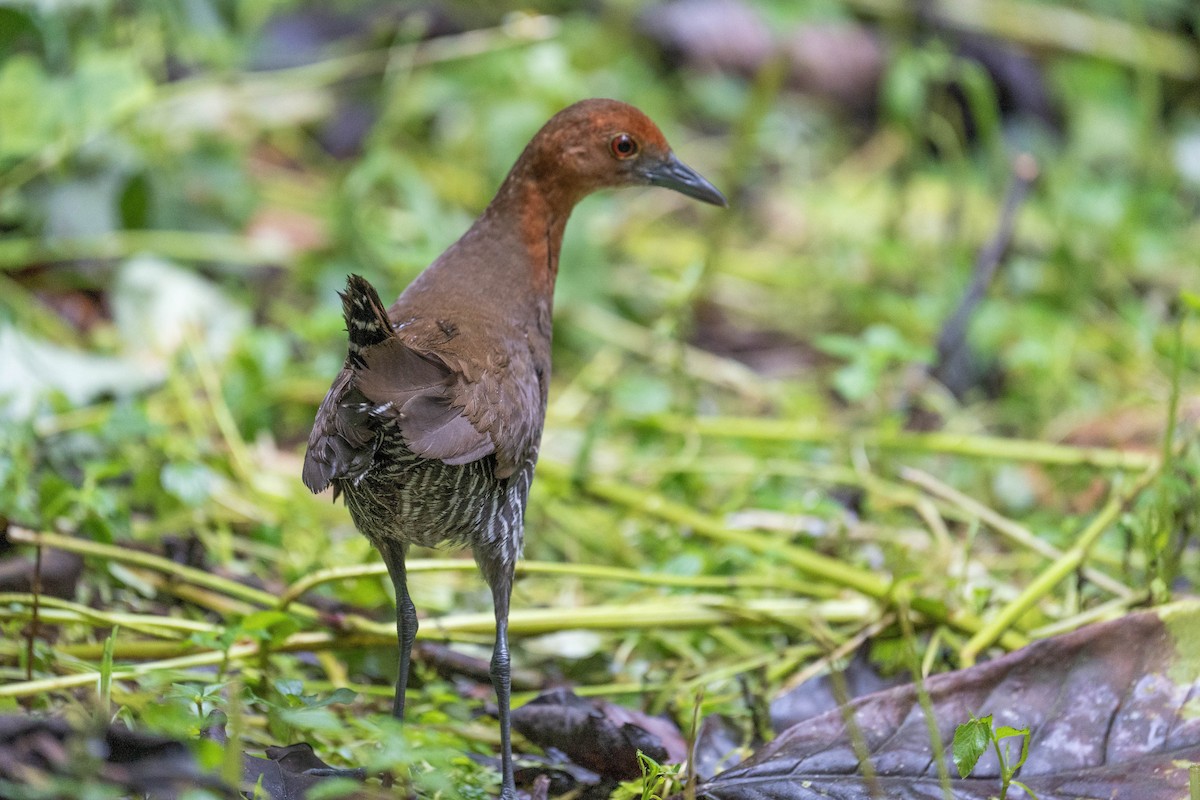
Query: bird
(431, 430)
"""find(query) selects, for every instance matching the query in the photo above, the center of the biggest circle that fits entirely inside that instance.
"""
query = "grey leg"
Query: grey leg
(406, 617)
(501, 672)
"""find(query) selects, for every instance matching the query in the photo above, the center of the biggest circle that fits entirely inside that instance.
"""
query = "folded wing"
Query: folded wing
(383, 383)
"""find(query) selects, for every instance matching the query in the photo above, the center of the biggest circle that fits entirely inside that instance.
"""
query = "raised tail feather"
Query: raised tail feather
(341, 444)
(367, 321)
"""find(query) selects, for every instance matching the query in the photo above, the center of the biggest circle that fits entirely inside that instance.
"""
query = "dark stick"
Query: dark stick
(35, 620)
(953, 356)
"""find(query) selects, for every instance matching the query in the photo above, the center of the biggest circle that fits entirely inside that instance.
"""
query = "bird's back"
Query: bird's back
(391, 437)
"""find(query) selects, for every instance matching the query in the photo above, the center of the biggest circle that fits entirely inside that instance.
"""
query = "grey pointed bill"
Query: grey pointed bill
(674, 174)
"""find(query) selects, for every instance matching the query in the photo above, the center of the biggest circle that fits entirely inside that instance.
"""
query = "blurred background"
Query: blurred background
(949, 222)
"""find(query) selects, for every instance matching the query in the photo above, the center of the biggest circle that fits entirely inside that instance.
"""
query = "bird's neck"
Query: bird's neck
(507, 262)
(537, 211)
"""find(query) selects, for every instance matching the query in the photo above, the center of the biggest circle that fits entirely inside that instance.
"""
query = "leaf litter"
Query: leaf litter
(1113, 710)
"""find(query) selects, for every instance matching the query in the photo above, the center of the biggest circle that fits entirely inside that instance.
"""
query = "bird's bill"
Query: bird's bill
(674, 174)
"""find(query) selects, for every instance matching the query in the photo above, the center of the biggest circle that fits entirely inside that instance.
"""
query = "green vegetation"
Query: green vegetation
(973, 739)
(174, 227)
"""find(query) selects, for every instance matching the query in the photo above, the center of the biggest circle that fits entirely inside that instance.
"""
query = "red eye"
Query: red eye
(623, 146)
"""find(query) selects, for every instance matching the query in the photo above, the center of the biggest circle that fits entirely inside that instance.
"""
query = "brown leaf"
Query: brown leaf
(1111, 709)
(59, 759)
(287, 773)
(818, 695)
(57, 577)
(602, 737)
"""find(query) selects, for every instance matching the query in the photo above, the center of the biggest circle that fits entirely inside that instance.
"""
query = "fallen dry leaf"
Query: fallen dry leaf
(600, 736)
(1113, 709)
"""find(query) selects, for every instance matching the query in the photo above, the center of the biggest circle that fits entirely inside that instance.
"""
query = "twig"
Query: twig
(992, 447)
(35, 619)
(808, 562)
(1116, 607)
(699, 364)
(1055, 572)
(1014, 531)
(583, 571)
(544, 619)
(222, 416)
(55, 611)
(218, 248)
(742, 667)
(698, 613)
(923, 698)
(148, 560)
(888, 491)
(843, 650)
(952, 367)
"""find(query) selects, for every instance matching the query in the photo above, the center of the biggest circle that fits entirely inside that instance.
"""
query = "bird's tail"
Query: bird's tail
(366, 319)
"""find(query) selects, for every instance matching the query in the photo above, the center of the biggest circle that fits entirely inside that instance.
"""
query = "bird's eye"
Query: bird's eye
(623, 146)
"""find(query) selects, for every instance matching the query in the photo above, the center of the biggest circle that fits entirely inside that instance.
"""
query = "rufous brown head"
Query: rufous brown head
(596, 144)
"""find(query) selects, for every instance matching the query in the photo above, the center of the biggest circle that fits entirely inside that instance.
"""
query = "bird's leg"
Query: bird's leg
(501, 673)
(406, 617)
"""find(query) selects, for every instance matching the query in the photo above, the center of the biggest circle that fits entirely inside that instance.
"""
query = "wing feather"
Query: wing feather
(416, 377)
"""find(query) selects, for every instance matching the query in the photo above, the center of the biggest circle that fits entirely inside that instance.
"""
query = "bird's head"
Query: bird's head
(597, 144)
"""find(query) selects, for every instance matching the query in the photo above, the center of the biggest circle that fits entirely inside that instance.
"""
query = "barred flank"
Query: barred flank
(427, 502)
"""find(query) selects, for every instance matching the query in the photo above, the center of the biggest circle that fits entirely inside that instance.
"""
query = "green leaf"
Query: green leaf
(289, 687)
(157, 304)
(171, 716)
(344, 696)
(311, 719)
(838, 344)
(34, 368)
(905, 90)
(106, 670)
(15, 24)
(28, 107)
(134, 202)
(1004, 731)
(105, 86)
(334, 788)
(971, 739)
(192, 483)
(642, 395)
(855, 381)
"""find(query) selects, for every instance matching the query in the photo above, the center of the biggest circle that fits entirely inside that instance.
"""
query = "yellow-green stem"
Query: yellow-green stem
(808, 562)
(775, 430)
(1054, 573)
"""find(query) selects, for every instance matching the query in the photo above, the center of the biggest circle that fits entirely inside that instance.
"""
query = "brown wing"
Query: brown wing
(417, 391)
(386, 382)
(508, 402)
(395, 386)
(342, 442)
(497, 385)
